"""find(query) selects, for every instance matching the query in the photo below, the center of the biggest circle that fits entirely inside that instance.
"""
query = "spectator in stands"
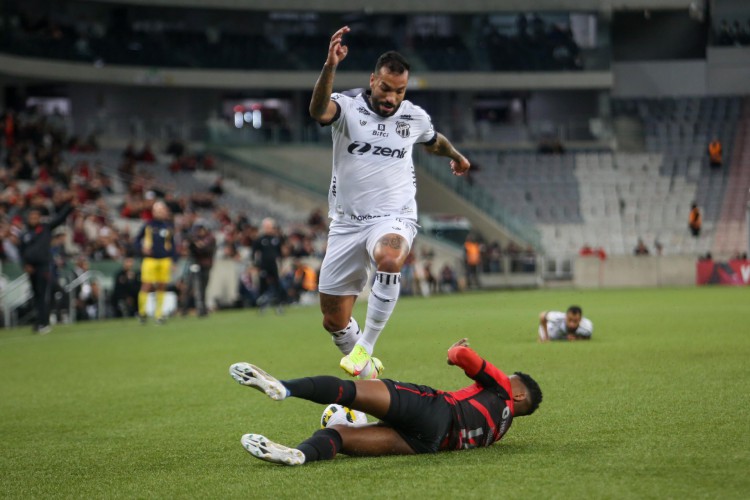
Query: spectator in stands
(472, 261)
(305, 281)
(9, 235)
(129, 153)
(658, 247)
(409, 279)
(495, 257)
(127, 283)
(715, 158)
(86, 294)
(448, 281)
(36, 254)
(248, 289)
(146, 154)
(570, 325)
(429, 278)
(641, 248)
(695, 220)
(216, 187)
(586, 250)
(9, 128)
(706, 257)
(157, 245)
(316, 221)
(528, 260)
(202, 247)
(266, 253)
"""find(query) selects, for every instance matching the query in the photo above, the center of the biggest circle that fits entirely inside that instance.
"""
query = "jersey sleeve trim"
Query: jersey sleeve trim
(431, 141)
(335, 117)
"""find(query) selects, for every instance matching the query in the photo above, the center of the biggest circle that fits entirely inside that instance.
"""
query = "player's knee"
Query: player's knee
(334, 324)
(389, 264)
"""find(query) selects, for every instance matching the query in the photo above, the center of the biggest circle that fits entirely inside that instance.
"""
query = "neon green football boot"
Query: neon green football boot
(356, 361)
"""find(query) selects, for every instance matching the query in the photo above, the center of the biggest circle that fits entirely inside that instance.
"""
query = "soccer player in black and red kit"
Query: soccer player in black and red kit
(413, 418)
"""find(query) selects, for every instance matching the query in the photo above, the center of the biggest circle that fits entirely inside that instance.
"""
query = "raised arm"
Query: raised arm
(443, 147)
(322, 109)
(477, 368)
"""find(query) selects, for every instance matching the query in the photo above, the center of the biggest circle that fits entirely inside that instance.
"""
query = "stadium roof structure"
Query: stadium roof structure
(433, 6)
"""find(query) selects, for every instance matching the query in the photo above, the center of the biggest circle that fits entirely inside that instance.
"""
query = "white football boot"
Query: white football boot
(252, 376)
(265, 449)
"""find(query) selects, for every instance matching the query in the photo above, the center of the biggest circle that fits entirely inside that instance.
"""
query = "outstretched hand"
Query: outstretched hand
(460, 167)
(464, 342)
(336, 50)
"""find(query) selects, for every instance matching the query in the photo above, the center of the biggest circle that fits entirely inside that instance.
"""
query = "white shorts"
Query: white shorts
(348, 259)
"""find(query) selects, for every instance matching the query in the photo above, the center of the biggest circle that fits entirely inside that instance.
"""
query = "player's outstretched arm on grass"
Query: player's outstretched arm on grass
(322, 109)
(543, 333)
(443, 147)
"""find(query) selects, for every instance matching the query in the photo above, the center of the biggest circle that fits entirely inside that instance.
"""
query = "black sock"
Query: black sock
(322, 389)
(323, 445)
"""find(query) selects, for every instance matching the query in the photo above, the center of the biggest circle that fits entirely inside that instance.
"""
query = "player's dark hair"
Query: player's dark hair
(393, 62)
(534, 393)
(575, 310)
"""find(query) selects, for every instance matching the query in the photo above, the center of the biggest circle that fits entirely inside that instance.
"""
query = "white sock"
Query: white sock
(380, 306)
(347, 338)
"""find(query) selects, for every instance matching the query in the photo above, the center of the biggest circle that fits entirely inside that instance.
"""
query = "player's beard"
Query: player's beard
(381, 108)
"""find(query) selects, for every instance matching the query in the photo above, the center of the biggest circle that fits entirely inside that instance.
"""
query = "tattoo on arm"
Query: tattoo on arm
(443, 147)
(322, 92)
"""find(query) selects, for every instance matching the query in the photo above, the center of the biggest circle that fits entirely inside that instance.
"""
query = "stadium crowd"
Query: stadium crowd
(43, 168)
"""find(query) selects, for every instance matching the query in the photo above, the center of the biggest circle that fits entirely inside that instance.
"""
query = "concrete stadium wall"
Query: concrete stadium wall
(726, 70)
(631, 271)
(659, 78)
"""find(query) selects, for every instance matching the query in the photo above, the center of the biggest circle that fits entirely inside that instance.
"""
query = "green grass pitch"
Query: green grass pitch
(656, 406)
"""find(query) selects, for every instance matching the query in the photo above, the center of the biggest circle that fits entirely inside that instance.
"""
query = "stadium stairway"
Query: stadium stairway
(731, 230)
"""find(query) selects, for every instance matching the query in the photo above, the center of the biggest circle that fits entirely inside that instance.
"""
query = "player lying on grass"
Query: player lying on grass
(570, 325)
(414, 418)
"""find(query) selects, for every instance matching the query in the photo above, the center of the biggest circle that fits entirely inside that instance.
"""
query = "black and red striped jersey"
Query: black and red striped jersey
(483, 411)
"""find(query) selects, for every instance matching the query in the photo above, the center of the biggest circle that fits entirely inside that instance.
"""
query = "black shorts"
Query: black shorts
(419, 414)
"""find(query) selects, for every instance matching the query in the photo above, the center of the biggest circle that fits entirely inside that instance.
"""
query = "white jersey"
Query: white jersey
(557, 330)
(373, 174)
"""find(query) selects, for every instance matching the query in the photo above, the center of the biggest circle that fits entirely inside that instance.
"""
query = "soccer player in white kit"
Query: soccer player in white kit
(372, 203)
(568, 325)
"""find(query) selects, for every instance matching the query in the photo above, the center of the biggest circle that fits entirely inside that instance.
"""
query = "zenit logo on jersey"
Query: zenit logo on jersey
(360, 148)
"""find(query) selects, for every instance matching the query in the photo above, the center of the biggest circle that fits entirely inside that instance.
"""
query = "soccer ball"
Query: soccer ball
(341, 415)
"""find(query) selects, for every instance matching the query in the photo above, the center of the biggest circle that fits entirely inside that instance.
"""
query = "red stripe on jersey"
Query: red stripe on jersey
(408, 389)
(486, 414)
(467, 392)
